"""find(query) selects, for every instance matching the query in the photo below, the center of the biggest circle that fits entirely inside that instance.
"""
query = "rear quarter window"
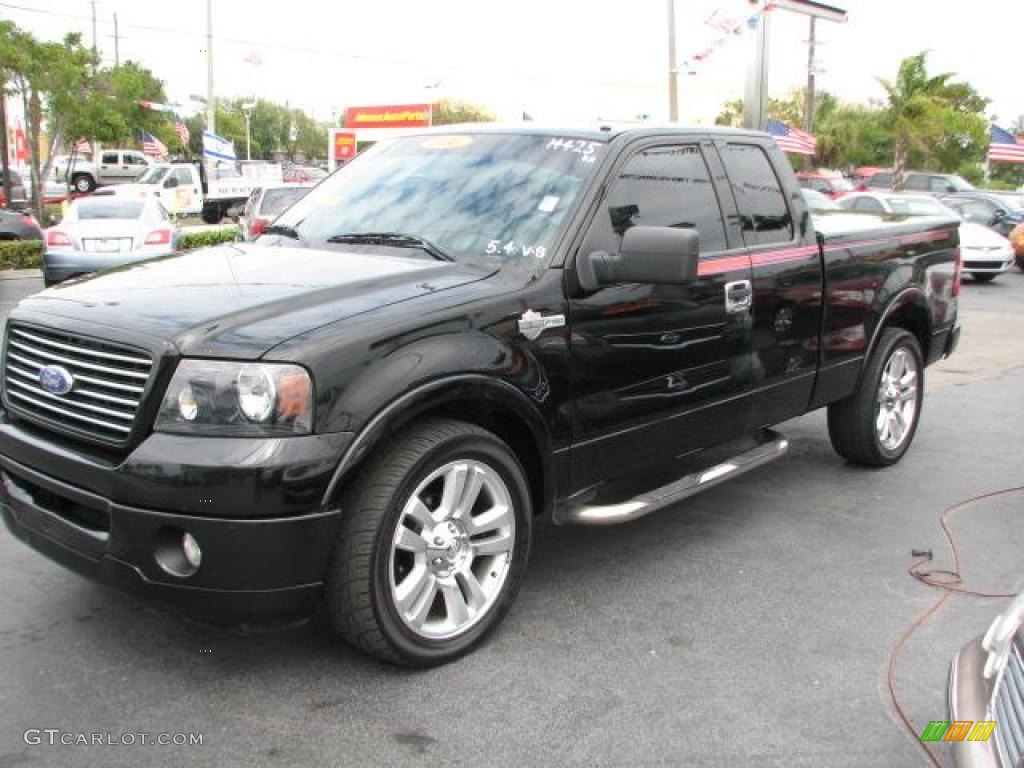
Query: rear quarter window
(764, 214)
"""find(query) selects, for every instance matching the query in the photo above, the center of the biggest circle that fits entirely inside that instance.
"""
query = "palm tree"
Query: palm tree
(916, 105)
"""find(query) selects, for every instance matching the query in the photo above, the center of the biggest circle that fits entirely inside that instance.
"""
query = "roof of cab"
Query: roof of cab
(595, 131)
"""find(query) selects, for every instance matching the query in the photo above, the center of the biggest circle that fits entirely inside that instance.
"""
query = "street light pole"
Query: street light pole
(673, 73)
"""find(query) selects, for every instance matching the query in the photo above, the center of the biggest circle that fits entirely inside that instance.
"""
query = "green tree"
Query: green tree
(932, 119)
(450, 111)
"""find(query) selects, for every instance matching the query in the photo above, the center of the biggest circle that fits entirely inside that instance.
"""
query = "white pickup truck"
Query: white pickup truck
(183, 191)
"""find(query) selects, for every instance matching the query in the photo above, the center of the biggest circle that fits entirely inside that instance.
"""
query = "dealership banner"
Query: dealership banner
(391, 116)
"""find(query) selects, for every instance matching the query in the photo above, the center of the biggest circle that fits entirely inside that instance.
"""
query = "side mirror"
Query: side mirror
(656, 255)
(998, 216)
(171, 183)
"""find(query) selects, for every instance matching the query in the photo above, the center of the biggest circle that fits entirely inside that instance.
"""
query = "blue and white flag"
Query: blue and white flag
(218, 147)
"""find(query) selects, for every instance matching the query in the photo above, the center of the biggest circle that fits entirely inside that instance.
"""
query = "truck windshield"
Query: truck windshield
(493, 199)
(154, 175)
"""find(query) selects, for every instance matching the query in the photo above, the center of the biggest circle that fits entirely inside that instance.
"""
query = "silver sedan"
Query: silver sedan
(102, 232)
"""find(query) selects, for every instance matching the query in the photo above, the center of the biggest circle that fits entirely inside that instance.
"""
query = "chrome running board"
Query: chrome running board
(773, 447)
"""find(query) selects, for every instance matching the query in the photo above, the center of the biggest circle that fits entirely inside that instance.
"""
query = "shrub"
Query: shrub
(192, 240)
(21, 254)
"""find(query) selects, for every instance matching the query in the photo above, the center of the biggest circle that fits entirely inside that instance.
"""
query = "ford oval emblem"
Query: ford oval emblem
(56, 379)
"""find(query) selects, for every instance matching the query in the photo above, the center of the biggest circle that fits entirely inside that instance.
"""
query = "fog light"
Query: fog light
(193, 554)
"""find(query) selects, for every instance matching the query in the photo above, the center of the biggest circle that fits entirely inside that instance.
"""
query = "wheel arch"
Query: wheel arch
(908, 310)
(489, 403)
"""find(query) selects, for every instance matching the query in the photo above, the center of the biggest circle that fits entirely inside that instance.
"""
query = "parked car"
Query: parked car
(265, 204)
(986, 690)
(818, 202)
(303, 174)
(115, 166)
(102, 232)
(460, 330)
(990, 209)
(19, 225)
(830, 183)
(986, 254)
(19, 193)
(920, 181)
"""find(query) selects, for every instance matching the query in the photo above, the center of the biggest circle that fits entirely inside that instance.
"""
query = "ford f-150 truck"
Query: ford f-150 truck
(457, 332)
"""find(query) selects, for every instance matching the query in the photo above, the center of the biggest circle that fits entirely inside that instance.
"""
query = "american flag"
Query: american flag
(151, 145)
(1003, 147)
(182, 130)
(792, 139)
(82, 147)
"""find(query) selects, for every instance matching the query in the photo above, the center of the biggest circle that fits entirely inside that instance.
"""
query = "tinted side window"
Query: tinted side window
(762, 205)
(868, 204)
(110, 158)
(133, 159)
(881, 180)
(668, 187)
(917, 182)
(183, 176)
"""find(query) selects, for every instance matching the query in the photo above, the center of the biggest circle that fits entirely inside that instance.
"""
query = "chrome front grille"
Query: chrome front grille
(1008, 706)
(109, 382)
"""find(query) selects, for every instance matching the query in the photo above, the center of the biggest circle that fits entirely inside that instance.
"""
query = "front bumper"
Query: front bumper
(969, 693)
(987, 263)
(113, 523)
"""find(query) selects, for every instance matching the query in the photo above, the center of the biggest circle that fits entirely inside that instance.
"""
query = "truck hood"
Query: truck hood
(241, 300)
(133, 189)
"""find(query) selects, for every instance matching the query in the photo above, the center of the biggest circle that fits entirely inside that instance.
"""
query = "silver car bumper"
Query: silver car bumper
(59, 266)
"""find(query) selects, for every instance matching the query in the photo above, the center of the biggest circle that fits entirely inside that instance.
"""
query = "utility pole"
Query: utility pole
(673, 72)
(211, 107)
(809, 110)
(117, 44)
(94, 50)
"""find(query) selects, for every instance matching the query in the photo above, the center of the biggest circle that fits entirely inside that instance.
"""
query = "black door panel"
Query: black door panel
(654, 365)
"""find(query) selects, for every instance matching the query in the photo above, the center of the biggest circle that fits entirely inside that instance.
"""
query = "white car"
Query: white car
(986, 254)
(99, 232)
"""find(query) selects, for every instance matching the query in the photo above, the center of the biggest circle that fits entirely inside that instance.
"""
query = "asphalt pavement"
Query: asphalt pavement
(751, 625)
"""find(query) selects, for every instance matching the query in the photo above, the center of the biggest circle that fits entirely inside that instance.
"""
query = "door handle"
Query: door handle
(739, 296)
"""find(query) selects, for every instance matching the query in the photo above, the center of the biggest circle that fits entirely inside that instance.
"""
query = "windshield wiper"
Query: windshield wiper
(393, 239)
(283, 230)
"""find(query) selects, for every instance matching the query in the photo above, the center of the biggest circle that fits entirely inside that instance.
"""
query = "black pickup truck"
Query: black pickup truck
(458, 331)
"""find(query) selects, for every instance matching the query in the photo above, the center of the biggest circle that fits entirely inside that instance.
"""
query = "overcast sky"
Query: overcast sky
(558, 60)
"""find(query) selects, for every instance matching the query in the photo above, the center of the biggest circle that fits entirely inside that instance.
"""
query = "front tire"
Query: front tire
(433, 546)
(877, 423)
(212, 214)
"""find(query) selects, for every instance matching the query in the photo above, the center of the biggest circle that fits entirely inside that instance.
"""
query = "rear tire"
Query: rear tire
(876, 424)
(83, 183)
(433, 545)
(983, 277)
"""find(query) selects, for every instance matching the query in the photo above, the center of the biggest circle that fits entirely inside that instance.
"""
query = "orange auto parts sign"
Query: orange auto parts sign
(396, 116)
(344, 146)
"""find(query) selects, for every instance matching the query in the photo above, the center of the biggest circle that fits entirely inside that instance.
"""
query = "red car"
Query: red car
(829, 183)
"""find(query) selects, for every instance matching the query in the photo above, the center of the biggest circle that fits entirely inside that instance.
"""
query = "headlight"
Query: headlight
(219, 397)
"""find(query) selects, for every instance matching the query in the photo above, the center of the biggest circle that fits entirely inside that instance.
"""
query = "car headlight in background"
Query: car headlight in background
(220, 397)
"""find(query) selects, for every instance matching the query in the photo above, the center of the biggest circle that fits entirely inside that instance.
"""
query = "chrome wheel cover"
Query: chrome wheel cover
(897, 399)
(452, 549)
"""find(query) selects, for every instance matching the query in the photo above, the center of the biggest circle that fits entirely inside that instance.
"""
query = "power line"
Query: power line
(332, 54)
